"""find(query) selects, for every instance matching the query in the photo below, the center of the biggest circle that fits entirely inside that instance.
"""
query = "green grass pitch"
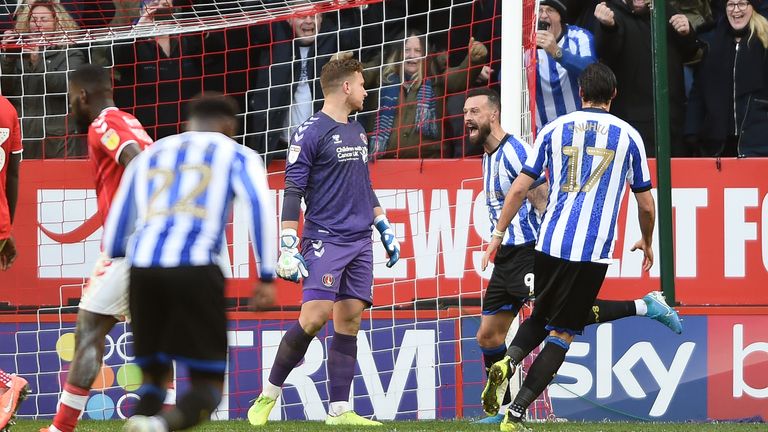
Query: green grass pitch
(413, 426)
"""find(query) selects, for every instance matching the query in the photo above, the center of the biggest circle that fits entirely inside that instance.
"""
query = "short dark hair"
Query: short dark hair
(93, 79)
(336, 71)
(597, 83)
(491, 94)
(213, 105)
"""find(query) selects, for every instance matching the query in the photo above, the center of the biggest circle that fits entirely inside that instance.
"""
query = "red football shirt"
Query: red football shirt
(108, 135)
(10, 142)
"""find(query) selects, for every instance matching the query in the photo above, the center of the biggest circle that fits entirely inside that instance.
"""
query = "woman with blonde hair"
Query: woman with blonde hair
(35, 79)
(728, 106)
(408, 123)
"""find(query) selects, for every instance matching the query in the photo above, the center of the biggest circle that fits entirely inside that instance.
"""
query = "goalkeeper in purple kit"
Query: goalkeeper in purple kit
(327, 166)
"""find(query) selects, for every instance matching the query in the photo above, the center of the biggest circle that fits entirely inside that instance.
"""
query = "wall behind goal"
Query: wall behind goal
(721, 236)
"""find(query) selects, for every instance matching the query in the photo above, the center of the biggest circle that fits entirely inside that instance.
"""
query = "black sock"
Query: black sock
(530, 334)
(491, 356)
(194, 407)
(606, 310)
(541, 373)
(151, 398)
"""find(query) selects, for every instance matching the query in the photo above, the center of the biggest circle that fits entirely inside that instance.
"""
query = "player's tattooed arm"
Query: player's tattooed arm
(538, 197)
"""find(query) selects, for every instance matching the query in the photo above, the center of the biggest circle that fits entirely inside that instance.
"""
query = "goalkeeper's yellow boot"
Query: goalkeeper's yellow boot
(498, 379)
(350, 418)
(512, 425)
(258, 414)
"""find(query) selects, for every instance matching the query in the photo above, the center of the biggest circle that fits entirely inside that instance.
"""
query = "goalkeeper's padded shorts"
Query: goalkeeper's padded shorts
(338, 271)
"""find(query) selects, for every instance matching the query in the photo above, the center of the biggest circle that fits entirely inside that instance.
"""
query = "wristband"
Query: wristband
(497, 233)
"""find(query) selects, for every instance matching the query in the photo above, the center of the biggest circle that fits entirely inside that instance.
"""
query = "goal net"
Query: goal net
(417, 355)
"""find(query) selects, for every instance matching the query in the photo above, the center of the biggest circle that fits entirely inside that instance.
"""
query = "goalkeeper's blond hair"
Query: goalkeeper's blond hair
(337, 71)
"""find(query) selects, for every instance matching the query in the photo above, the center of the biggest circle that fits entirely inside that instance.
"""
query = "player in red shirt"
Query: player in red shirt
(114, 139)
(13, 389)
(10, 158)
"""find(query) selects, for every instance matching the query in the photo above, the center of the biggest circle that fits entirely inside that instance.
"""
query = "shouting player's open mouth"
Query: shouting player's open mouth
(472, 129)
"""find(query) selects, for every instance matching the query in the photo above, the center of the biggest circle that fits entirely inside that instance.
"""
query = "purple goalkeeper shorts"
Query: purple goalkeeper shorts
(338, 271)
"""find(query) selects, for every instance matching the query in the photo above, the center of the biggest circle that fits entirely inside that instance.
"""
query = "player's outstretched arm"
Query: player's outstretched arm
(646, 213)
(388, 239)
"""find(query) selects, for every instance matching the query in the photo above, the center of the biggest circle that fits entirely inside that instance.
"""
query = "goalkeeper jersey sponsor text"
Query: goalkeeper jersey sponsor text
(327, 163)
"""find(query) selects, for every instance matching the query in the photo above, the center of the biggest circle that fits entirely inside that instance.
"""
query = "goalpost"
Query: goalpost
(417, 355)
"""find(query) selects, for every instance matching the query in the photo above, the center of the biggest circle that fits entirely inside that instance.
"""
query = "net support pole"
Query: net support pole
(663, 170)
(512, 76)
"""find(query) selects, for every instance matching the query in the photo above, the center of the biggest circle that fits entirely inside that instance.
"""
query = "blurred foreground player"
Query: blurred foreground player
(327, 165)
(512, 281)
(13, 389)
(114, 139)
(10, 159)
(174, 202)
(591, 156)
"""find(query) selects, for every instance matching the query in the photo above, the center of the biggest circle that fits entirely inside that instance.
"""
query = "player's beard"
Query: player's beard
(483, 130)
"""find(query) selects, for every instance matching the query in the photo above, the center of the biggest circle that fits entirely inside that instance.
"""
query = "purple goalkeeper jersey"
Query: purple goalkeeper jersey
(328, 165)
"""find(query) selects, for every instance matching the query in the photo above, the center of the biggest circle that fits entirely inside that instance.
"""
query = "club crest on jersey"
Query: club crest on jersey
(293, 153)
(110, 139)
(328, 280)
(364, 138)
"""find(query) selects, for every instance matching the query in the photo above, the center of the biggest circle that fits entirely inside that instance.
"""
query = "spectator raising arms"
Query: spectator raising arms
(623, 41)
(564, 52)
(409, 121)
(729, 100)
(35, 80)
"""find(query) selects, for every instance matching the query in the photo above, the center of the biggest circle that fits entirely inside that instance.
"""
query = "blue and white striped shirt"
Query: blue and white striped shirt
(590, 155)
(175, 199)
(557, 87)
(500, 169)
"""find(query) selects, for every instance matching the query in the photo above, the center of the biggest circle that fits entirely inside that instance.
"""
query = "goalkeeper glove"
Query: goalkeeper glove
(388, 239)
(291, 265)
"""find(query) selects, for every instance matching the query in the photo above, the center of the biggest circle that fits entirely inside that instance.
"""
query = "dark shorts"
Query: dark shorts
(178, 314)
(566, 291)
(511, 282)
(338, 271)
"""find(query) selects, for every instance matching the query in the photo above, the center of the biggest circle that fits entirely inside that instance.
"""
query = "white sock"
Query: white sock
(338, 408)
(641, 307)
(503, 408)
(270, 390)
(159, 424)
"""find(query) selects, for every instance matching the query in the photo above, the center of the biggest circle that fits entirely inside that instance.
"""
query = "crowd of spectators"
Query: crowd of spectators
(420, 57)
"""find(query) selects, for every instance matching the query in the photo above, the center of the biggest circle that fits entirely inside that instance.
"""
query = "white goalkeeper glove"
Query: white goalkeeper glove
(388, 239)
(291, 265)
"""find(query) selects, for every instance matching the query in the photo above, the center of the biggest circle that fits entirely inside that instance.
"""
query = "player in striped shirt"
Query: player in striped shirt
(168, 220)
(564, 51)
(590, 155)
(114, 139)
(512, 280)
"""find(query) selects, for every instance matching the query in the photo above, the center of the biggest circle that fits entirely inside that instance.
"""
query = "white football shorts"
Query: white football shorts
(107, 290)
